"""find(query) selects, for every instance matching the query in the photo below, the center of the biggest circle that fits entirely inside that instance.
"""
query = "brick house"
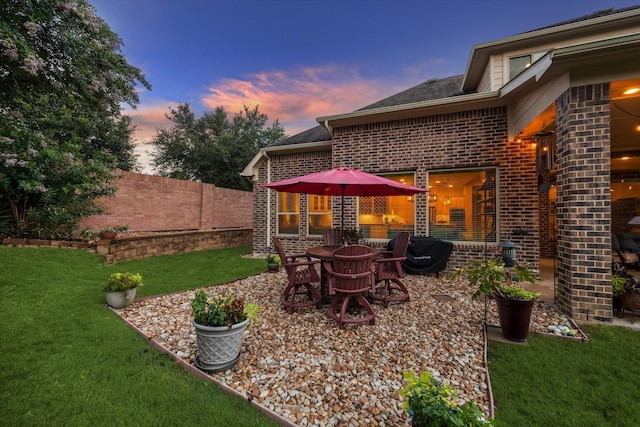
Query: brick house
(536, 143)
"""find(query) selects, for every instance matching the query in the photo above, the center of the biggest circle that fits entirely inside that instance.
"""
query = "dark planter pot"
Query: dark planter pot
(273, 267)
(515, 316)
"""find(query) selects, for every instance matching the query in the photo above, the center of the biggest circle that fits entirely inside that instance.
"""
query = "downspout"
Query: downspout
(267, 245)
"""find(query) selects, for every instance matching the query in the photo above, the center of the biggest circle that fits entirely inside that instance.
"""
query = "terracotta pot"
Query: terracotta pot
(109, 235)
(515, 316)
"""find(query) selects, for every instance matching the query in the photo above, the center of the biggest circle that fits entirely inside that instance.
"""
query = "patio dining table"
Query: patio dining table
(325, 253)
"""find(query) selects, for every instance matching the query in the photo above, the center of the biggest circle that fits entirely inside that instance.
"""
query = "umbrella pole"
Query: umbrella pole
(342, 215)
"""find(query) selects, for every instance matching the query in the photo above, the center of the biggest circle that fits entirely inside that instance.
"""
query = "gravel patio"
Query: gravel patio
(309, 372)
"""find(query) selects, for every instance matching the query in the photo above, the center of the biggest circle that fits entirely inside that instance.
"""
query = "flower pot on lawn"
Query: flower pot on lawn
(515, 316)
(120, 299)
(218, 346)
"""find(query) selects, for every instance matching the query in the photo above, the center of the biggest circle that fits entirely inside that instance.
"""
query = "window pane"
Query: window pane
(518, 65)
(288, 213)
(319, 214)
(463, 205)
(383, 217)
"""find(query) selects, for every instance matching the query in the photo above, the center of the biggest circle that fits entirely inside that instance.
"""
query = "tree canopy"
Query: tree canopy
(212, 148)
(63, 80)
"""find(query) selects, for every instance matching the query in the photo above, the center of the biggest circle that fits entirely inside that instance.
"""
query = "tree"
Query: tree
(211, 148)
(62, 135)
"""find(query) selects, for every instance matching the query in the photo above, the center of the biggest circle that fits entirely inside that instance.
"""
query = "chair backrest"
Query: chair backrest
(332, 237)
(401, 245)
(281, 254)
(353, 267)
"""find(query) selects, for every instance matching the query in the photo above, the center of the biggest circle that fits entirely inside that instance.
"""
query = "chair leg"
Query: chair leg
(288, 297)
(393, 290)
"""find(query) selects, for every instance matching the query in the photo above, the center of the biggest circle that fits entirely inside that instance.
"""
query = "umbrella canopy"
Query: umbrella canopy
(344, 182)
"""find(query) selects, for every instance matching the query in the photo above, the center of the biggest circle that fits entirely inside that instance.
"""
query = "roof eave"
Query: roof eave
(480, 53)
(414, 109)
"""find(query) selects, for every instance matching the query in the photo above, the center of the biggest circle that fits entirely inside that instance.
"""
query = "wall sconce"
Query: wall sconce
(410, 199)
(434, 197)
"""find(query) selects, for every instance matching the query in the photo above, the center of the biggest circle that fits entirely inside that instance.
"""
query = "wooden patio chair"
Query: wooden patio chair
(388, 272)
(332, 237)
(300, 274)
(350, 277)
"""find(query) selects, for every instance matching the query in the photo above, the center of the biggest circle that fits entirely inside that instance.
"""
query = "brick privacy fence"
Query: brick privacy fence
(155, 203)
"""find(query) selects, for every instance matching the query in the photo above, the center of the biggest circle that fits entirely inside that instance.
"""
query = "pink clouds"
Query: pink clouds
(296, 97)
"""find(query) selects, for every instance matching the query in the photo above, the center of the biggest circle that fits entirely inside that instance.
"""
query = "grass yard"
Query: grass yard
(69, 361)
(555, 382)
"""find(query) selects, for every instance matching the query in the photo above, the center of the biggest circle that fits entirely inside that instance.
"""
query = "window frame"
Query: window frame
(311, 213)
(496, 213)
(279, 213)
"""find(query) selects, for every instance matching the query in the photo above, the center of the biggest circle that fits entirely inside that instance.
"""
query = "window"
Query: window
(383, 217)
(319, 214)
(463, 205)
(520, 63)
(288, 213)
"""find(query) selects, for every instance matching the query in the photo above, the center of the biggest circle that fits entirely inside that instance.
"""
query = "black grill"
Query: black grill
(425, 254)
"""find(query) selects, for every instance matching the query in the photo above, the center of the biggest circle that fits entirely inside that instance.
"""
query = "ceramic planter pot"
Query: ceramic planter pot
(108, 235)
(218, 346)
(273, 267)
(515, 316)
(120, 299)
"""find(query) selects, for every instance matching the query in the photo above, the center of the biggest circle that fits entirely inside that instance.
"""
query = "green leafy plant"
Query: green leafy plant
(274, 258)
(352, 234)
(492, 277)
(115, 229)
(223, 310)
(433, 403)
(119, 282)
(624, 283)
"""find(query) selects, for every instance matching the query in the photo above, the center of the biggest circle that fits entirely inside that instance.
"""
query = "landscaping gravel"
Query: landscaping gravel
(307, 370)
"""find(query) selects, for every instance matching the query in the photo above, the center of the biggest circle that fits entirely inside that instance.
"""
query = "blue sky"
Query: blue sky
(301, 59)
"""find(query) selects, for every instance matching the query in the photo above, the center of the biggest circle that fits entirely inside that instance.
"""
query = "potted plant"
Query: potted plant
(219, 323)
(273, 263)
(514, 302)
(111, 232)
(626, 287)
(352, 236)
(432, 403)
(121, 289)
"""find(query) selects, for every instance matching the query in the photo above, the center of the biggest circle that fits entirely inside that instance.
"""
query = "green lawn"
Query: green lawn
(69, 361)
(557, 382)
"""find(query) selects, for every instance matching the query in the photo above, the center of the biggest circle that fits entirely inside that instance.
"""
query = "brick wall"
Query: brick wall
(154, 203)
(584, 203)
(469, 139)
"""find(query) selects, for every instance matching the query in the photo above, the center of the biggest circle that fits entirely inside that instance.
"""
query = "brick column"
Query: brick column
(584, 203)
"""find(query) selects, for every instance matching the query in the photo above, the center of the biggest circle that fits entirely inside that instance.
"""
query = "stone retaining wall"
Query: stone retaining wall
(137, 247)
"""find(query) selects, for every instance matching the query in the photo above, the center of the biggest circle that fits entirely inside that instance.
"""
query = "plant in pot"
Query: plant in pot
(433, 403)
(626, 288)
(120, 289)
(515, 303)
(219, 323)
(273, 263)
(352, 236)
(111, 232)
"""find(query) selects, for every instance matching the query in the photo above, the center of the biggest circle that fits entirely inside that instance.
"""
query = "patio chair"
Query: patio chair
(300, 274)
(350, 277)
(332, 237)
(388, 272)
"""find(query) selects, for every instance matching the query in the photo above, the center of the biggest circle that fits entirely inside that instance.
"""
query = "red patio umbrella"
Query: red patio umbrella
(344, 182)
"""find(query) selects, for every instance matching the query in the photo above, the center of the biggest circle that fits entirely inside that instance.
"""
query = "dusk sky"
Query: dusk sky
(301, 59)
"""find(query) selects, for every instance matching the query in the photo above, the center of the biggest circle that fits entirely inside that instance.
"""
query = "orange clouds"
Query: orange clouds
(296, 97)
